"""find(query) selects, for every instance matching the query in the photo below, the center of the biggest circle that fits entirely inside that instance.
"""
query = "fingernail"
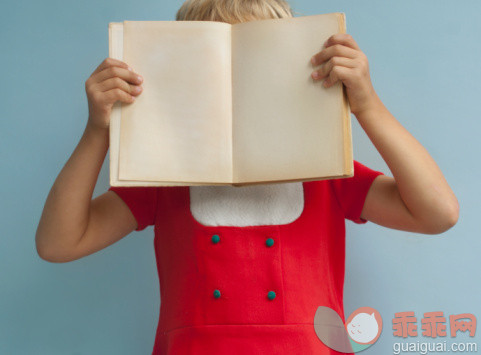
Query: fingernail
(315, 75)
(325, 43)
(313, 60)
(129, 68)
(140, 78)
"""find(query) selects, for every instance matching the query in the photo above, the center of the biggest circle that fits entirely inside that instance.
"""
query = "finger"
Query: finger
(116, 82)
(326, 68)
(111, 72)
(337, 73)
(334, 50)
(110, 62)
(117, 94)
(342, 38)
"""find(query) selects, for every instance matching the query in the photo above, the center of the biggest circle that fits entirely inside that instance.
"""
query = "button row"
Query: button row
(216, 239)
(270, 295)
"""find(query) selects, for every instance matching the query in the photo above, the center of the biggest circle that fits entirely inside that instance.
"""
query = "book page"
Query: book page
(179, 128)
(286, 126)
(116, 45)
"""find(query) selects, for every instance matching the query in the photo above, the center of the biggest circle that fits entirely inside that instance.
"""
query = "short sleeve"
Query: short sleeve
(142, 202)
(351, 192)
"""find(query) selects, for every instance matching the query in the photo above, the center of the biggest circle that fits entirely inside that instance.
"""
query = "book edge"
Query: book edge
(170, 183)
(114, 181)
(348, 153)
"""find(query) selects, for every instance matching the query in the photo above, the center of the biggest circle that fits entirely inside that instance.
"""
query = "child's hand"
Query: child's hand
(341, 59)
(112, 81)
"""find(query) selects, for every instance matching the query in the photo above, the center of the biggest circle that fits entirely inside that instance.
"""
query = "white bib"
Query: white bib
(254, 205)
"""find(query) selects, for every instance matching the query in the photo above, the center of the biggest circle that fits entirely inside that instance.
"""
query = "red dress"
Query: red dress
(250, 289)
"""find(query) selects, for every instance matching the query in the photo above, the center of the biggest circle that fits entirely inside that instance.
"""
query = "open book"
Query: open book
(228, 104)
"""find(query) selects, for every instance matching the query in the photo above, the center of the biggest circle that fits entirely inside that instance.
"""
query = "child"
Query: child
(242, 270)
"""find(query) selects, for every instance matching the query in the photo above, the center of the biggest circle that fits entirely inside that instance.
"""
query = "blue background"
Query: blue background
(424, 59)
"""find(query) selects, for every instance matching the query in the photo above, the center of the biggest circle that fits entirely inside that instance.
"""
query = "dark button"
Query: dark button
(215, 239)
(216, 293)
(271, 295)
(269, 242)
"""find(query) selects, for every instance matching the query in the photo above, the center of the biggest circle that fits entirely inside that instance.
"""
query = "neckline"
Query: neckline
(261, 226)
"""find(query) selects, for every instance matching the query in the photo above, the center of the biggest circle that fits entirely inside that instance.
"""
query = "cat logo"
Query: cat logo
(361, 330)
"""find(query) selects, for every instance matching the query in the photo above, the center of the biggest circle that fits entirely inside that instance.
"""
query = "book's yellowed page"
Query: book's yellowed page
(179, 128)
(116, 45)
(285, 125)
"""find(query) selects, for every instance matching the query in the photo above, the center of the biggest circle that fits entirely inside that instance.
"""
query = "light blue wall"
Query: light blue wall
(425, 65)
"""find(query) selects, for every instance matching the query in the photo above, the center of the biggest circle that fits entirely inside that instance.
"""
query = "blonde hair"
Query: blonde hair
(233, 11)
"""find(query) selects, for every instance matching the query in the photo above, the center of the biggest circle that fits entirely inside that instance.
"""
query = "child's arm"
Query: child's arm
(418, 198)
(69, 213)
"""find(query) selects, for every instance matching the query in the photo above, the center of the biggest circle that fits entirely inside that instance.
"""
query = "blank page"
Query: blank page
(179, 128)
(286, 126)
